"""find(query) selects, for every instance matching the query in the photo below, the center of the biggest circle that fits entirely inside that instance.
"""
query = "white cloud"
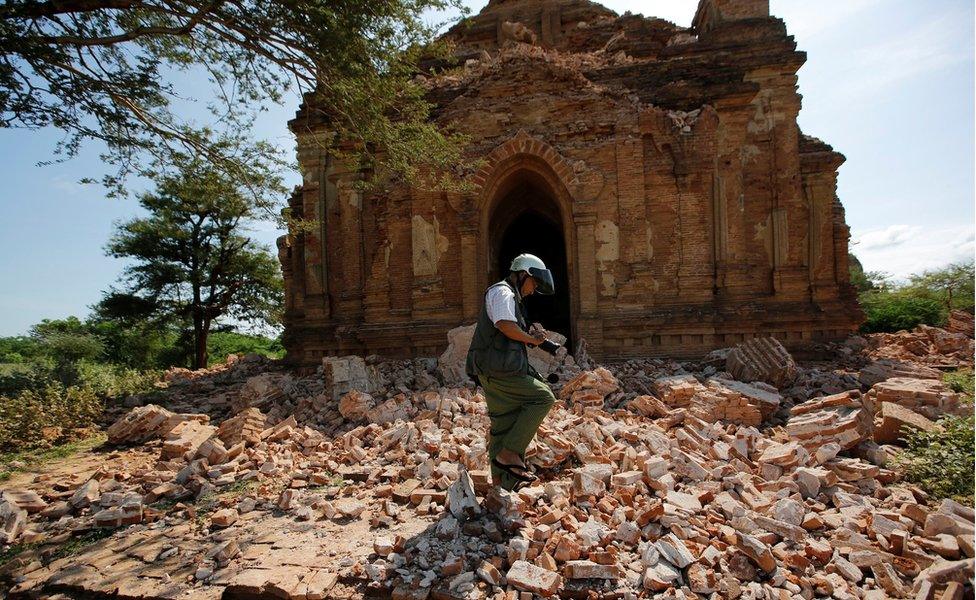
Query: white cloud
(892, 235)
(902, 250)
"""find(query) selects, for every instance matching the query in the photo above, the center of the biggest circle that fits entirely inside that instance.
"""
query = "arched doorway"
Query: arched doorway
(527, 218)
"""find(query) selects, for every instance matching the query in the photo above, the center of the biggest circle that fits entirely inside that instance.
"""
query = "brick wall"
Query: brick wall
(695, 214)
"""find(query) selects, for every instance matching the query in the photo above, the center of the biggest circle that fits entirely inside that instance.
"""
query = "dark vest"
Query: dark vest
(492, 353)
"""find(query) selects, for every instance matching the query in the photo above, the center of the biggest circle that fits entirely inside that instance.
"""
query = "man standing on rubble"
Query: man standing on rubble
(518, 398)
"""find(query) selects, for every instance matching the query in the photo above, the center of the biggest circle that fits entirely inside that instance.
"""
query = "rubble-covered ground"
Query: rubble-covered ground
(745, 474)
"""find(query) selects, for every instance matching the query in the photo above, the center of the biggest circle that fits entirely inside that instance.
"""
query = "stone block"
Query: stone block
(346, 373)
(840, 418)
(762, 359)
(585, 569)
(529, 578)
(895, 422)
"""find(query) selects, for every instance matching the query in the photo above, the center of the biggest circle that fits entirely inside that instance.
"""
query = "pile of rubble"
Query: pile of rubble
(212, 391)
(924, 345)
(688, 480)
(962, 322)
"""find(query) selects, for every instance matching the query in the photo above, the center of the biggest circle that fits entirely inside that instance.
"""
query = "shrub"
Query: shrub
(924, 299)
(18, 349)
(888, 311)
(222, 343)
(48, 416)
(951, 285)
(137, 345)
(71, 347)
(112, 381)
(942, 462)
(961, 382)
(35, 375)
(38, 410)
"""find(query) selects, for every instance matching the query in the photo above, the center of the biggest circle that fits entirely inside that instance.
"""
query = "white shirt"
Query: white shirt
(500, 304)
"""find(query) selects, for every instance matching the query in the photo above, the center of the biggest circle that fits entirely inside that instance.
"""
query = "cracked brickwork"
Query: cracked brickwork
(694, 212)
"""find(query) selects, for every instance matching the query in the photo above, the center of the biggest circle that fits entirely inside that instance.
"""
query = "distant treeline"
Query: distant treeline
(56, 380)
(128, 345)
(923, 299)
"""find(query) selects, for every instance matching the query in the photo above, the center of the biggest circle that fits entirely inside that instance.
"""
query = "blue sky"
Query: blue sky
(887, 82)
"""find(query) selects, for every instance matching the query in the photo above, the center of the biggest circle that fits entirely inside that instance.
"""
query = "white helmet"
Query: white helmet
(534, 266)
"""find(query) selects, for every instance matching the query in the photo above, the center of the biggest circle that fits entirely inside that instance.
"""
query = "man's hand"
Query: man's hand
(514, 332)
(538, 334)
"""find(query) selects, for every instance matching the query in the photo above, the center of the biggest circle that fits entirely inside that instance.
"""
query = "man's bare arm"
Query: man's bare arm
(514, 332)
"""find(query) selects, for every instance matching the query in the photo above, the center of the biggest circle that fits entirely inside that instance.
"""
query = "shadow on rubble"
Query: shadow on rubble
(465, 546)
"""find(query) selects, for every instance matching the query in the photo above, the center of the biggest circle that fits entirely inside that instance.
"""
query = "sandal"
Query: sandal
(528, 477)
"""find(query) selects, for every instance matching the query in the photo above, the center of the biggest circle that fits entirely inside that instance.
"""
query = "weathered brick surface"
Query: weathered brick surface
(762, 359)
(631, 501)
(929, 397)
(694, 213)
(896, 421)
(841, 418)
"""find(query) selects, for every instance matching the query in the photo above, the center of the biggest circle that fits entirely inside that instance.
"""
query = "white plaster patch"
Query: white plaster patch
(428, 246)
(608, 238)
(650, 243)
(749, 152)
(760, 126)
(760, 122)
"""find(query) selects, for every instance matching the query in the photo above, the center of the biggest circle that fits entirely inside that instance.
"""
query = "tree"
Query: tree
(192, 262)
(67, 340)
(953, 284)
(54, 350)
(103, 70)
(136, 344)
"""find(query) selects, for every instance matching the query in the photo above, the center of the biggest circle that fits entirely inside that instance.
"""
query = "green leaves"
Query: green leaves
(952, 285)
(103, 70)
(925, 298)
(897, 310)
(942, 462)
(47, 416)
(191, 260)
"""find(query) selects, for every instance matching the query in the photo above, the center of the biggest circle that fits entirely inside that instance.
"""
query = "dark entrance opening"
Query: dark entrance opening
(527, 220)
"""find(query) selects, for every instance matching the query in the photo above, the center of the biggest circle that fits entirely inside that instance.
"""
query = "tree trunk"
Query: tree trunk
(200, 330)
